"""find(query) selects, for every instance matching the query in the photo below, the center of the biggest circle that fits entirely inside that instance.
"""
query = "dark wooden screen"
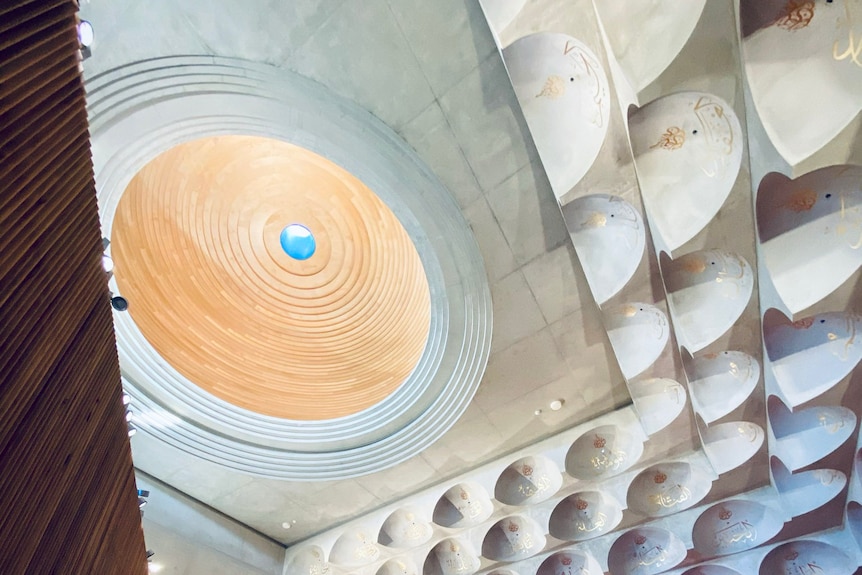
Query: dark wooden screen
(67, 489)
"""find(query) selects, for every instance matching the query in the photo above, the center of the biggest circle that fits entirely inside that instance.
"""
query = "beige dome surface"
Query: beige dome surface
(196, 241)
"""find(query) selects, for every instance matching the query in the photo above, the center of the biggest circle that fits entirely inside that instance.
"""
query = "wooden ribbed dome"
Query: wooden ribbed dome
(195, 242)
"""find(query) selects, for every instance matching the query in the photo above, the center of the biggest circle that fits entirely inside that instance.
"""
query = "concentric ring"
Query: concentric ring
(195, 242)
(144, 109)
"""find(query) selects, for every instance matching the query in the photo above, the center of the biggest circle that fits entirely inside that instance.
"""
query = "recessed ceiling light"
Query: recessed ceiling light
(86, 34)
(537, 412)
(297, 241)
(287, 524)
(557, 404)
(107, 264)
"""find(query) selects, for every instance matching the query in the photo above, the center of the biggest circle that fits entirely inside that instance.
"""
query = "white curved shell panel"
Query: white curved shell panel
(854, 521)
(707, 292)
(527, 481)
(564, 94)
(609, 236)
(309, 561)
(734, 526)
(638, 333)
(808, 435)
(658, 401)
(354, 548)
(688, 150)
(819, 62)
(404, 528)
(513, 538)
(806, 490)
(720, 382)
(645, 551)
(500, 13)
(603, 452)
(711, 570)
(667, 488)
(570, 563)
(464, 505)
(452, 556)
(811, 355)
(647, 35)
(399, 566)
(810, 229)
(806, 556)
(729, 445)
(585, 515)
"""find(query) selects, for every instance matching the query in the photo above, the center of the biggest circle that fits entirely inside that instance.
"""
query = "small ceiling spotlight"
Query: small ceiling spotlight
(141, 502)
(132, 430)
(557, 404)
(107, 264)
(129, 415)
(86, 37)
(119, 303)
(86, 34)
(127, 399)
(150, 553)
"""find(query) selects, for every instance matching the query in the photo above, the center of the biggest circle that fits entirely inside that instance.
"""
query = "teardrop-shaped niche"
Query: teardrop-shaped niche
(463, 505)
(729, 445)
(603, 452)
(564, 94)
(404, 528)
(512, 539)
(658, 402)
(808, 435)
(398, 566)
(720, 382)
(570, 562)
(806, 556)
(528, 481)
(609, 236)
(734, 526)
(707, 292)
(688, 150)
(452, 556)
(354, 548)
(711, 570)
(854, 521)
(819, 62)
(645, 551)
(811, 355)
(667, 488)
(810, 232)
(646, 35)
(805, 491)
(638, 333)
(309, 560)
(585, 515)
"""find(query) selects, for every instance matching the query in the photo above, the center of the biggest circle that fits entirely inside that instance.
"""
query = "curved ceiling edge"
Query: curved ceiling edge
(141, 110)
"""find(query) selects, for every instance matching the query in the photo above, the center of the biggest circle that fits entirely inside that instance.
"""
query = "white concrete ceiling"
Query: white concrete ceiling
(432, 72)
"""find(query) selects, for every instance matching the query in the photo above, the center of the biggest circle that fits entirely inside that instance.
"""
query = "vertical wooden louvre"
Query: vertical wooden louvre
(67, 490)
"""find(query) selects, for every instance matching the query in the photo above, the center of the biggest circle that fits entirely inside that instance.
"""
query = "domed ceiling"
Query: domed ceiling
(197, 244)
(432, 73)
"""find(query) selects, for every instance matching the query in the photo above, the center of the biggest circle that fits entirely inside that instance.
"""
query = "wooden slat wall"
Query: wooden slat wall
(67, 489)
